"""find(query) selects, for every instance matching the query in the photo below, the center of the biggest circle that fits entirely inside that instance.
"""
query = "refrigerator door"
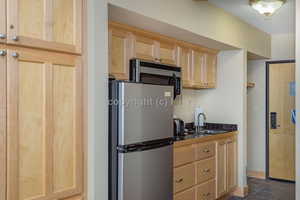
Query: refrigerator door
(146, 175)
(145, 112)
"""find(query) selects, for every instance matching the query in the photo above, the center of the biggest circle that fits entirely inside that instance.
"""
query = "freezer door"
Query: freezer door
(145, 112)
(146, 175)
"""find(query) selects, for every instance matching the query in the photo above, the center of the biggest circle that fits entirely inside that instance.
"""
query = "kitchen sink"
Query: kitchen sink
(211, 132)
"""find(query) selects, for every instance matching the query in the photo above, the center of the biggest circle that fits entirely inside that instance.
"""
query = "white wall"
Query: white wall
(283, 48)
(97, 100)
(204, 19)
(225, 104)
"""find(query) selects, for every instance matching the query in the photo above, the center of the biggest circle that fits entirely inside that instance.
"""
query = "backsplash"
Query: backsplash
(185, 104)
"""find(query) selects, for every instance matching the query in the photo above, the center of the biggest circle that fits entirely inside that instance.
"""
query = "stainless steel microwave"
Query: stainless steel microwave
(155, 73)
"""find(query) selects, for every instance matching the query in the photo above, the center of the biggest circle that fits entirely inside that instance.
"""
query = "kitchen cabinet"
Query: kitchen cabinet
(167, 52)
(198, 67)
(210, 70)
(44, 125)
(53, 25)
(156, 50)
(198, 64)
(2, 21)
(3, 112)
(145, 48)
(184, 61)
(120, 53)
(184, 177)
(227, 166)
(221, 168)
(206, 191)
(231, 164)
(205, 168)
(186, 195)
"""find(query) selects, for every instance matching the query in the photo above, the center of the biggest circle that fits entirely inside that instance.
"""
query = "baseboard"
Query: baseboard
(256, 174)
(241, 191)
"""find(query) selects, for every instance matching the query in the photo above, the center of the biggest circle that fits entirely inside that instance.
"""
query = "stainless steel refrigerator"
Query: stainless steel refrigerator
(141, 139)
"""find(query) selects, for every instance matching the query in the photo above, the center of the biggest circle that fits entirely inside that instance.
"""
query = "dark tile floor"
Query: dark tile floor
(269, 190)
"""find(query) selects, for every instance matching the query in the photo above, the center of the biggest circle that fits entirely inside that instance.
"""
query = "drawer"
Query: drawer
(184, 155)
(186, 195)
(184, 177)
(206, 169)
(206, 191)
(205, 150)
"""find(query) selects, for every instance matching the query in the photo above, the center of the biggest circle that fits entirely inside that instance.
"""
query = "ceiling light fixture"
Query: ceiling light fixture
(267, 7)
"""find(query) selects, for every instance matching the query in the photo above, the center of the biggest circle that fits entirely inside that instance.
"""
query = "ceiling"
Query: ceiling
(282, 22)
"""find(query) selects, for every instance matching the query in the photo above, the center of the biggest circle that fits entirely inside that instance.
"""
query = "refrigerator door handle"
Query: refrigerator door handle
(144, 146)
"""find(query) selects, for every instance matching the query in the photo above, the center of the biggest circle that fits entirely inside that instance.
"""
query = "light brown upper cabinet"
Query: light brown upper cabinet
(125, 42)
(156, 50)
(3, 34)
(46, 24)
(210, 70)
(44, 125)
(184, 61)
(167, 53)
(120, 52)
(144, 48)
(198, 67)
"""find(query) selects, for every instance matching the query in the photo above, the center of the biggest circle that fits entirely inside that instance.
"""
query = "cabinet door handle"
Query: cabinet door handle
(207, 194)
(2, 36)
(179, 180)
(206, 150)
(15, 38)
(206, 170)
(2, 53)
(15, 54)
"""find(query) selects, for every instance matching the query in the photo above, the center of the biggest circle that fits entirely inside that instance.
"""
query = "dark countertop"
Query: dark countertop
(218, 129)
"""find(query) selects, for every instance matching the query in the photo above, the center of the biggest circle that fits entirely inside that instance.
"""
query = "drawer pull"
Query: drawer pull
(206, 170)
(207, 194)
(206, 150)
(179, 180)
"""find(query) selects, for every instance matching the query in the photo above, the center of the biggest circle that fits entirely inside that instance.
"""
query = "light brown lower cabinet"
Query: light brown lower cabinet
(226, 166)
(206, 191)
(186, 195)
(205, 170)
(44, 129)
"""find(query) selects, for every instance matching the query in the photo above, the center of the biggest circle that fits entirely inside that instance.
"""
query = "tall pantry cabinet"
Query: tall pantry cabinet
(41, 100)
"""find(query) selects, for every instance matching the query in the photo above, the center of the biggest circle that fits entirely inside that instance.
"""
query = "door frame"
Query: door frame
(268, 63)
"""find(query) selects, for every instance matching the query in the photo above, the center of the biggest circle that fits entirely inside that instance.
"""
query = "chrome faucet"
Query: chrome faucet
(198, 127)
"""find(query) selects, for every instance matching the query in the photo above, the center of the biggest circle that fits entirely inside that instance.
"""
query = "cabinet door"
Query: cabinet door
(145, 48)
(44, 125)
(221, 168)
(120, 52)
(2, 122)
(47, 24)
(2, 21)
(167, 53)
(185, 56)
(231, 164)
(210, 70)
(198, 64)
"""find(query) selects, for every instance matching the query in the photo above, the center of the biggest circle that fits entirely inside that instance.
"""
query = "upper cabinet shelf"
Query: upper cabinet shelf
(52, 25)
(198, 63)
